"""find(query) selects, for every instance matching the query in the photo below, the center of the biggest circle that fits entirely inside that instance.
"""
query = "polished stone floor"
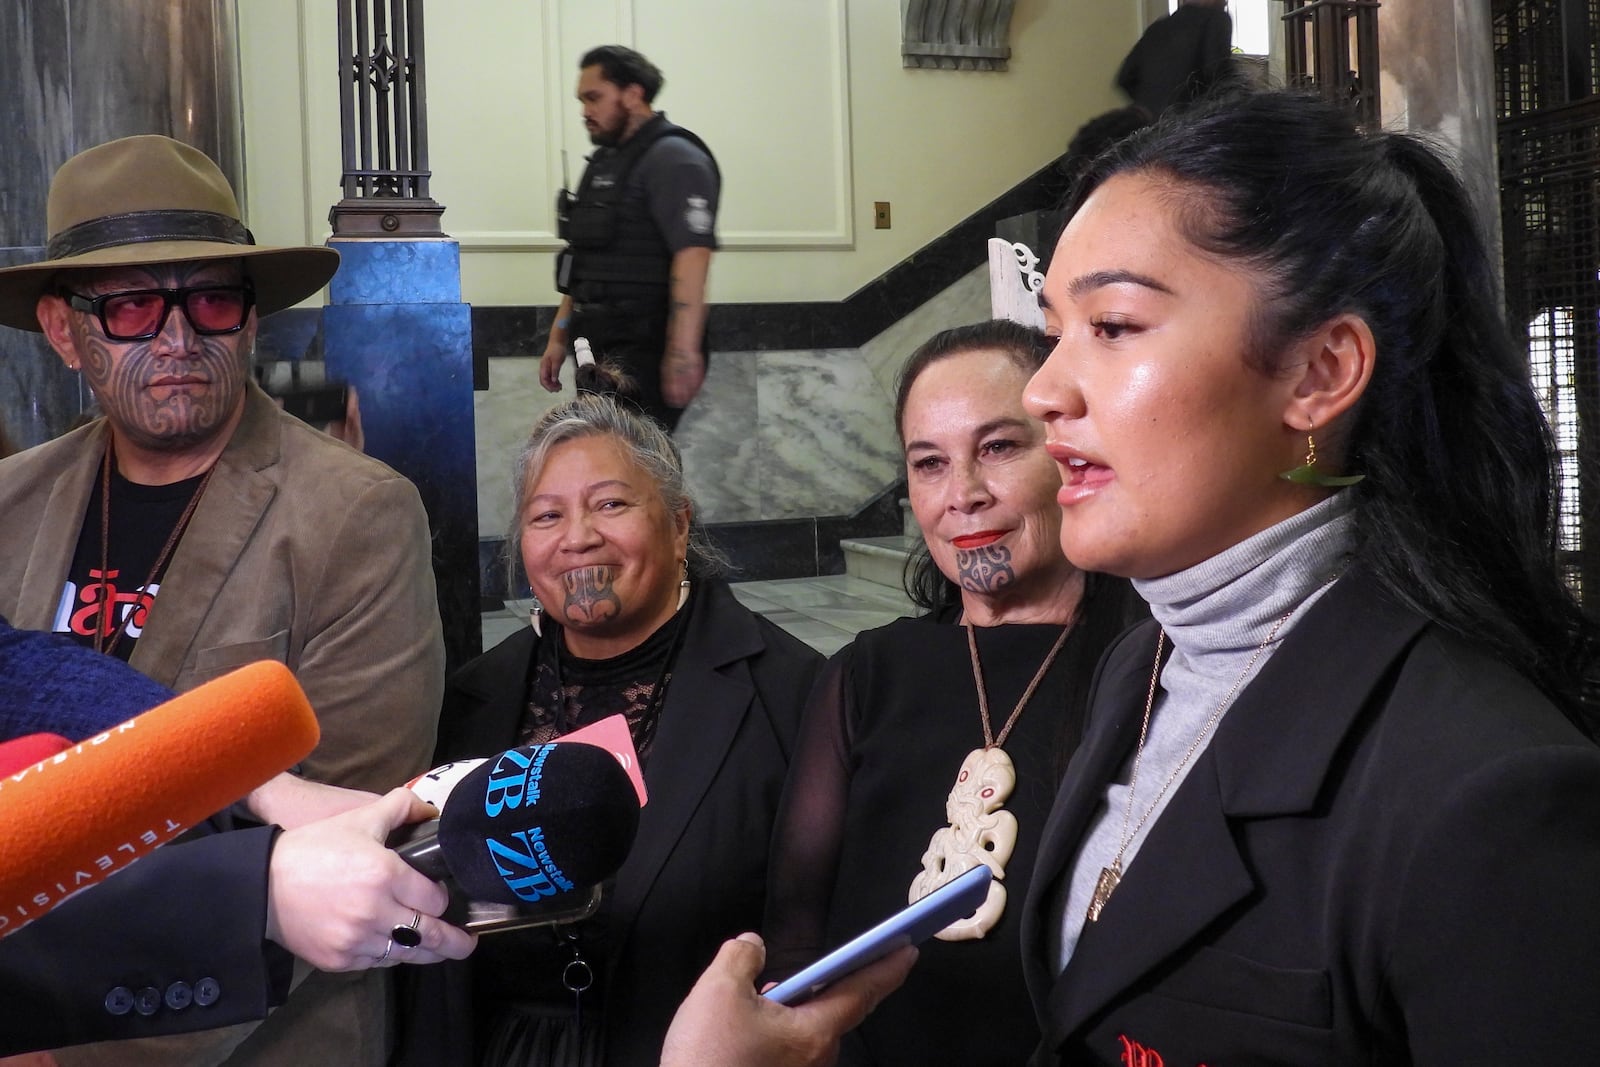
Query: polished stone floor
(826, 613)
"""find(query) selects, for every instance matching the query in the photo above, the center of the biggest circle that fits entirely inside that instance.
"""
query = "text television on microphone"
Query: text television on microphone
(77, 817)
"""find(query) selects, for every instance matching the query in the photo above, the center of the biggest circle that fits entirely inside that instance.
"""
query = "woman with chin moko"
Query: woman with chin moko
(631, 620)
(934, 744)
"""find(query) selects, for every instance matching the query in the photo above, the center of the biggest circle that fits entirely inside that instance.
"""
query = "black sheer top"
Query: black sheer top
(888, 725)
(566, 692)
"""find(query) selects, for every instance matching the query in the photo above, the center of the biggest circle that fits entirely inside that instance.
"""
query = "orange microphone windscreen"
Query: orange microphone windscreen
(73, 819)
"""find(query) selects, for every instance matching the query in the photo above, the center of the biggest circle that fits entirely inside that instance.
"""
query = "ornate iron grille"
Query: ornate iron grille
(956, 34)
(1549, 143)
(1531, 68)
(1332, 46)
(383, 122)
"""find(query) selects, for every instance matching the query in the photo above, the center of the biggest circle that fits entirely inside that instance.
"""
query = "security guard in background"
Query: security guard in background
(640, 232)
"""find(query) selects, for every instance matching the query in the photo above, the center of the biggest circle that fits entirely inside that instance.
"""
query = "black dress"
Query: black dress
(889, 724)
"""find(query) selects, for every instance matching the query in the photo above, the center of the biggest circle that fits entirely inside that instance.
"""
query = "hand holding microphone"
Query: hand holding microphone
(82, 813)
(538, 828)
(336, 893)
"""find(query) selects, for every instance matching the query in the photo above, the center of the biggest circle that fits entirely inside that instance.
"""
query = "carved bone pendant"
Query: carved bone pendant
(981, 831)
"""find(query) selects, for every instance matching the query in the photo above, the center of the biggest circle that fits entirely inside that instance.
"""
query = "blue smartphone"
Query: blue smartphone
(910, 926)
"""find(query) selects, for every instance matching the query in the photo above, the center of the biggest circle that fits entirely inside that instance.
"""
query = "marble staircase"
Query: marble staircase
(882, 560)
(878, 559)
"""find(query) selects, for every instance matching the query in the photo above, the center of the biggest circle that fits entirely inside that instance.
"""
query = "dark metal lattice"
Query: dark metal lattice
(383, 121)
(1549, 141)
(1332, 46)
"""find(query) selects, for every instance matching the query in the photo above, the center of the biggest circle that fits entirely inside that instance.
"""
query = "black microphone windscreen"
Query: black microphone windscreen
(542, 823)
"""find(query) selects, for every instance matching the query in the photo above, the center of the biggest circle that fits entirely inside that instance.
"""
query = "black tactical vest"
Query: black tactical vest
(611, 239)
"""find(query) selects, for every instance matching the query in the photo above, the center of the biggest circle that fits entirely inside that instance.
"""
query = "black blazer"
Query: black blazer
(171, 945)
(1388, 854)
(697, 872)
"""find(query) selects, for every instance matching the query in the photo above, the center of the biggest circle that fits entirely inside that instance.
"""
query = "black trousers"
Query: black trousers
(632, 337)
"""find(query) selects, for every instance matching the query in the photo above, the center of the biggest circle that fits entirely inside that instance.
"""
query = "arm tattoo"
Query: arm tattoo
(590, 595)
(985, 570)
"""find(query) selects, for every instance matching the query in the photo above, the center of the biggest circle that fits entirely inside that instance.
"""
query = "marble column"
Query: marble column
(73, 75)
(1436, 65)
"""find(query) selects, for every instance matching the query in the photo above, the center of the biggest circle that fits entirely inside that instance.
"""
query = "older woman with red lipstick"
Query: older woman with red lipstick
(1336, 803)
(632, 620)
(934, 744)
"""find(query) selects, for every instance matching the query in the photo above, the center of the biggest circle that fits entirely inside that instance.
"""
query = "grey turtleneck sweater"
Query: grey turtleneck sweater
(1216, 615)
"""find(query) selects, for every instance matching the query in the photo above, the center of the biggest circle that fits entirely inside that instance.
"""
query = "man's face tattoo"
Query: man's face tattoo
(177, 389)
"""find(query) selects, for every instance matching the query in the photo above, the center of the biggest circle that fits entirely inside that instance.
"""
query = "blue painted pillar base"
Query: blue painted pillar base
(396, 329)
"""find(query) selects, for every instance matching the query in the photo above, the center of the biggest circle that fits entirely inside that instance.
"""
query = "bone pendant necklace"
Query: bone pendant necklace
(981, 831)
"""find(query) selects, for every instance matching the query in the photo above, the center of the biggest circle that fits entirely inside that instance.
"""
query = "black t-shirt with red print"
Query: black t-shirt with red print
(142, 518)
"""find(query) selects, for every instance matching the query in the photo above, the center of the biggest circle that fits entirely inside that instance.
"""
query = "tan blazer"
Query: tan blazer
(303, 551)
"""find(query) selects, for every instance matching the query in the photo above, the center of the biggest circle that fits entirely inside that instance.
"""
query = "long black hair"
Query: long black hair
(1457, 516)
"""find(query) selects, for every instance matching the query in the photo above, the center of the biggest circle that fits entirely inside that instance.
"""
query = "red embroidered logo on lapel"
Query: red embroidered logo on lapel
(1137, 1055)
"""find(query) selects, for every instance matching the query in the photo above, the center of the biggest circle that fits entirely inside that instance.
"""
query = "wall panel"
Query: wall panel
(806, 105)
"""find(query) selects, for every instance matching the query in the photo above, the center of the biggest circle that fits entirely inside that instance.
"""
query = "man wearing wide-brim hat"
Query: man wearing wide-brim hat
(195, 527)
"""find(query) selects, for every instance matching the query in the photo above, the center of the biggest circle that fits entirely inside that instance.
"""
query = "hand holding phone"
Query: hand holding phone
(910, 926)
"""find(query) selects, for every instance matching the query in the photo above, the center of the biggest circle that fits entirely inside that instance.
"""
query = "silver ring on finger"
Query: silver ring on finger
(388, 948)
(408, 936)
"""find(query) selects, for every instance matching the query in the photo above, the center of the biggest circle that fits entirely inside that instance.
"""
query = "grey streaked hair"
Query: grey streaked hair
(646, 443)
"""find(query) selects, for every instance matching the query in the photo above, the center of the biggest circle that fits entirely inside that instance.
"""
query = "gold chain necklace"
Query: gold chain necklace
(1112, 875)
(981, 830)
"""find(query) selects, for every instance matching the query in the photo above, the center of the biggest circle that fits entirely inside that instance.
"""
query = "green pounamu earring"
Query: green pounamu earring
(1307, 473)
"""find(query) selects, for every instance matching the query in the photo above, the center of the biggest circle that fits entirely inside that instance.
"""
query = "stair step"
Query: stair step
(878, 559)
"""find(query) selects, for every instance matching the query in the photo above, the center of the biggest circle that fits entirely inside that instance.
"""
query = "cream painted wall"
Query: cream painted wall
(806, 105)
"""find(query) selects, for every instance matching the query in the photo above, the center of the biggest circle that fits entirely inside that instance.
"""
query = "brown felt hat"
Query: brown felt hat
(146, 200)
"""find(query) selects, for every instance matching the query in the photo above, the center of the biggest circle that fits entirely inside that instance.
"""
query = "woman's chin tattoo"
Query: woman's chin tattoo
(984, 570)
(591, 597)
